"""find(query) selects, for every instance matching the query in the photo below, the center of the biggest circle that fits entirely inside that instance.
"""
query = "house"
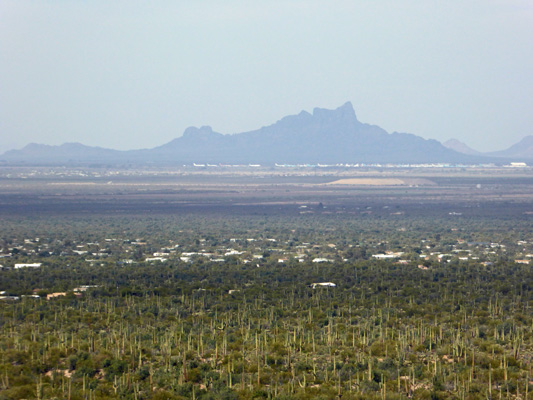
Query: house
(160, 259)
(13, 298)
(320, 260)
(34, 265)
(388, 255)
(84, 288)
(54, 295)
(323, 284)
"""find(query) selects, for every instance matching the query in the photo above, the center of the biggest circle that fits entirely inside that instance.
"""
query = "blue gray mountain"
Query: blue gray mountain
(522, 149)
(325, 136)
(461, 147)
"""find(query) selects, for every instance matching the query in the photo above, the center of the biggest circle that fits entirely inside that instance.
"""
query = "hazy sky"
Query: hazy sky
(133, 74)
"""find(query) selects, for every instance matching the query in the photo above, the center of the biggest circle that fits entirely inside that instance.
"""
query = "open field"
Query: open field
(123, 191)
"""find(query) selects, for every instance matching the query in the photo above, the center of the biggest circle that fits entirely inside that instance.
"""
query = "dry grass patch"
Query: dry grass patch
(383, 182)
(369, 182)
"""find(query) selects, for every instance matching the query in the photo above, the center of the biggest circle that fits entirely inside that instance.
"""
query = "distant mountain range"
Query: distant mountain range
(325, 136)
(521, 150)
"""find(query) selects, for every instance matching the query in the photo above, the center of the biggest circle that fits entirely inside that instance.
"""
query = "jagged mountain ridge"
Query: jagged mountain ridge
(325, 136)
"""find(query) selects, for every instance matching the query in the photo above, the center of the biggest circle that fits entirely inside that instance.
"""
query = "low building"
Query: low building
(54, 295)
(321, 260)
(323, 284)
(34, 265)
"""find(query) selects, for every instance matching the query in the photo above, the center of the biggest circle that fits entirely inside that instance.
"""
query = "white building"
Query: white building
(34, 265)
(323, 284)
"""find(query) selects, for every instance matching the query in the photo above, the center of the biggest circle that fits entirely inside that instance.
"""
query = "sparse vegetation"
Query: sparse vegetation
(226, 309)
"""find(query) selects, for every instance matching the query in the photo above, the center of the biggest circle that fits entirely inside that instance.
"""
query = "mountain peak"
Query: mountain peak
(205, 130)
(344, 113)
(345, 109)
(460, 147)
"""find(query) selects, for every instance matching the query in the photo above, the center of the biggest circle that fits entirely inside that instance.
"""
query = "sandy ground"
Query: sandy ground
(382, 182)
(369, 182)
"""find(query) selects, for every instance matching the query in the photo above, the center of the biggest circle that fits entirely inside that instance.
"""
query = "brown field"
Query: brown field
(369, 182)
(382, 182)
